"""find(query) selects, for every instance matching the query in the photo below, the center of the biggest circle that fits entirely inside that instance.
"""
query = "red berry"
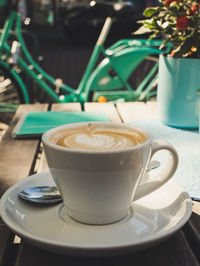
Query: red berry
(168, 2)
(182, 22)
(193, 10)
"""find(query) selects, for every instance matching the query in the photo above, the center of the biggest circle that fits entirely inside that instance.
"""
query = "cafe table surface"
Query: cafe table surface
(21, 158)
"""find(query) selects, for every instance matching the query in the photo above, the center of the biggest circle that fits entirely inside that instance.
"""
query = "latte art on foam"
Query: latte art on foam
(98, 141)
(98, 138)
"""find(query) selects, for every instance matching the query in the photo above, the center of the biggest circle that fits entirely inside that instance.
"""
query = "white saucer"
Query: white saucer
(155, 217)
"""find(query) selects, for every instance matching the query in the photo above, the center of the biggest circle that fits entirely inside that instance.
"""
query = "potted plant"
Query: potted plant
(178, 22)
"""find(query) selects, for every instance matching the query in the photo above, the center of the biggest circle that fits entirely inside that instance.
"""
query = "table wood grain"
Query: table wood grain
(17, 157)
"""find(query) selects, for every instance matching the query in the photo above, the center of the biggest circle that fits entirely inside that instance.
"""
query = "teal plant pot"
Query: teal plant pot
(178, 82)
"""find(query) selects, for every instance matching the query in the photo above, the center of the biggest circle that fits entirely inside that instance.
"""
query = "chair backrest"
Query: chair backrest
(112, 73)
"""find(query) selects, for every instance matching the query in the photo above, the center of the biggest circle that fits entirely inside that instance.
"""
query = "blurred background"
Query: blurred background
(65, 32)
(78, 21)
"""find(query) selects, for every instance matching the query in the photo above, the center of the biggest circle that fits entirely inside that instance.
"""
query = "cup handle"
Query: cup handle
(162, 177)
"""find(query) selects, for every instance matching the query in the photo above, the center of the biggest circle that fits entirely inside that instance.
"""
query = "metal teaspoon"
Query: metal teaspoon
(41, 195)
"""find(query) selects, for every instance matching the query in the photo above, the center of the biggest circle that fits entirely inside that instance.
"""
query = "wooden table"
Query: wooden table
(21, 158)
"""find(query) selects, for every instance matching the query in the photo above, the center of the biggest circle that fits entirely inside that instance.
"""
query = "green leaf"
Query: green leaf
(144, 21)
(142, 30)
(150, 11)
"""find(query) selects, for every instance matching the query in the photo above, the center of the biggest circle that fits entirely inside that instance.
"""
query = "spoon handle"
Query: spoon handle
(41, 194)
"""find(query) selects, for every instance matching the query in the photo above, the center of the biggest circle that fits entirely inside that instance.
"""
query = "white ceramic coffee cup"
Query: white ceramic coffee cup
(98, 187)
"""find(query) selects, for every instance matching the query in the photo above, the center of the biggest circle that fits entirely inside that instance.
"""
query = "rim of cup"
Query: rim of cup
(48, 133)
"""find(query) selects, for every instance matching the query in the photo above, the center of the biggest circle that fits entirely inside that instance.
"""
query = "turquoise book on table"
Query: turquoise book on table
(34, 124)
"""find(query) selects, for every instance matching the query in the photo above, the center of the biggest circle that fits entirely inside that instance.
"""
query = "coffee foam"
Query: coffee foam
(97, 137)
